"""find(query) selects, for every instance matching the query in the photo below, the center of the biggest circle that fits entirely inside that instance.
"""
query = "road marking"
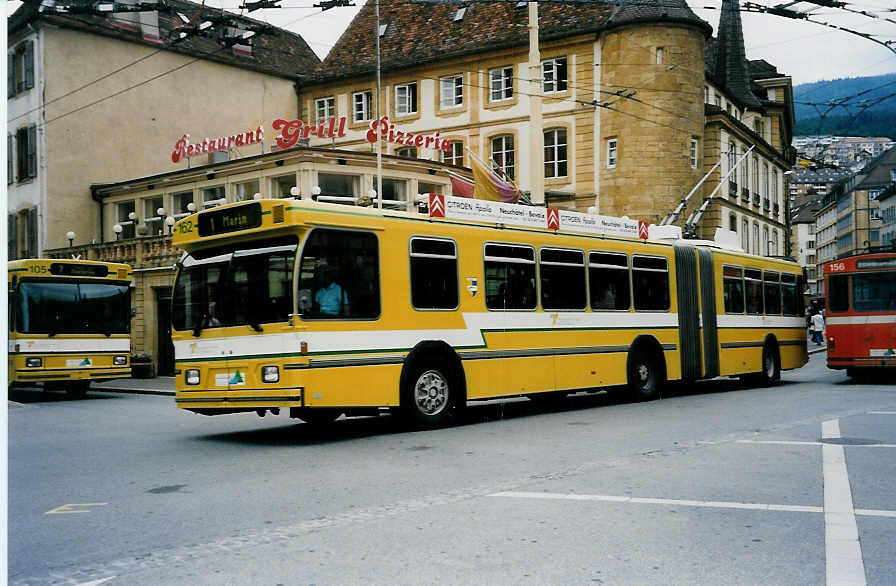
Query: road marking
(799, 443)
(609, 498)
(882, 413)
(96, 582)
(70, 508)
(844, 564)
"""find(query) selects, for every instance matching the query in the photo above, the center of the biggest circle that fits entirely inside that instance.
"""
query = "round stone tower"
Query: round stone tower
(653, 57)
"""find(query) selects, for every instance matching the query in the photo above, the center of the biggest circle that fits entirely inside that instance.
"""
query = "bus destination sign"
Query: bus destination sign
(233, 219)
(78, 270)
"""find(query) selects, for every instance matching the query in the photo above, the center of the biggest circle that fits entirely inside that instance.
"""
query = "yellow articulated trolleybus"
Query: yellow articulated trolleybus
(327, 309)
(69, 323)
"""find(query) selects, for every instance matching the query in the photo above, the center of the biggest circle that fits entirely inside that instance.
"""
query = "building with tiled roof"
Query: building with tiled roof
(639, 101)
(101, 97)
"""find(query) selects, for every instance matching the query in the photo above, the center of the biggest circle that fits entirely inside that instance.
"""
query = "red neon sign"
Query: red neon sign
(292, 130)
(183, 148)
(388, 132)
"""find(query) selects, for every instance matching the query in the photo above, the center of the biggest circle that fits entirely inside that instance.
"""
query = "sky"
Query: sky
(807, 52)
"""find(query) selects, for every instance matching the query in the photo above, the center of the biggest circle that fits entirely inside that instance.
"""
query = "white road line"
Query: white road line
(799, 443)
(882, 413)
(844, 564)
(608, 498)
(96, 582)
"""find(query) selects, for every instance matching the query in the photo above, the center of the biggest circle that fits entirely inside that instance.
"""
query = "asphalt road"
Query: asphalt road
(718, 483)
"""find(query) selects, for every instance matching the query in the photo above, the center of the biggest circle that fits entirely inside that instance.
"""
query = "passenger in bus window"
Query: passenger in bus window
(331, 299)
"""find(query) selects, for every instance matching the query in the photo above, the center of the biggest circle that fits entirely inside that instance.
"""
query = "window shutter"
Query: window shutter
(29, 64)
(10, 74)
(32, 233)
(12, 236)
(10, 171)
(32, 151)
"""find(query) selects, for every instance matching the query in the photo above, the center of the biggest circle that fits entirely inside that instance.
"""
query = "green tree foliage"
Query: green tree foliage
(865, 106)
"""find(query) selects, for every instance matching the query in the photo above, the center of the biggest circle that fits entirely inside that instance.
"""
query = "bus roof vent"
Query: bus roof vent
(664, 232)
(123, 274)
(278, 214)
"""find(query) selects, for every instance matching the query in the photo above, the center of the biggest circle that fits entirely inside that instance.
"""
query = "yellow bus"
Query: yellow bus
(69, 323)
(327, 309)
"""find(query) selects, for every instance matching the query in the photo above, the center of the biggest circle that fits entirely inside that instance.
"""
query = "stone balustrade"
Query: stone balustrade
(139, 253)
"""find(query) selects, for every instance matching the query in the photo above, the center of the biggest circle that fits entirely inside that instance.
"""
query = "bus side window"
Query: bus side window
(562, 279)
(789, 305)
(733, 289)
(772, 288)
(608, 279)
(650, 283)
(838, 293)
(433, 270)
(753, 290)
(509, 276)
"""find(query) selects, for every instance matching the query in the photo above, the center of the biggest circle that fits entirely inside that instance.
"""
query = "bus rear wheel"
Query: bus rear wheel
(771, 365)
(645, 375)
(430, 396)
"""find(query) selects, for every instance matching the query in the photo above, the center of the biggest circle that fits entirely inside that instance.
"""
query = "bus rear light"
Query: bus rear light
(831, 345)
(191, 376)
(34, 362)
(119, 360)
(270, 374)
(304, 347)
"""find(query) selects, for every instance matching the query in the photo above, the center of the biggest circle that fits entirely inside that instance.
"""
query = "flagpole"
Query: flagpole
(379, 143)
(536, 128)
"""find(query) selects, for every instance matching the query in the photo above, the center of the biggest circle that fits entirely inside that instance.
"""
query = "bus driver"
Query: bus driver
(330, 298)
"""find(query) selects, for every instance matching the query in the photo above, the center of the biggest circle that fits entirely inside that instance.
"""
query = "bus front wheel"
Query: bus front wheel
(429, 398)
(645, 375)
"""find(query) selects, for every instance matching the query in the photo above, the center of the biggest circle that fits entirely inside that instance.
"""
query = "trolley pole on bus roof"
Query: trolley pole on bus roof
(536, 132)
(379, 143)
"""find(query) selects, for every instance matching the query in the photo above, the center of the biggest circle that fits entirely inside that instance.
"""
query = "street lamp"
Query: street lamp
(117, 229)
(71, 237)
(169, 221)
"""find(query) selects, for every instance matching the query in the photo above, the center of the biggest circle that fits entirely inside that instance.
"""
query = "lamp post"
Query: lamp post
(169, 221)
(71, 238)
(117, 228)
(161, 213)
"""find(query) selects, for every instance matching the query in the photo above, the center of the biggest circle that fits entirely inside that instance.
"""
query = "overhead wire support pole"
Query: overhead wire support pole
(690, 227)
(379, 143)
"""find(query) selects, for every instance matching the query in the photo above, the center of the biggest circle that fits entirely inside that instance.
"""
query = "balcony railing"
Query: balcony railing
(732, 189)
(140, 253)
(745, 194)
(766, 204)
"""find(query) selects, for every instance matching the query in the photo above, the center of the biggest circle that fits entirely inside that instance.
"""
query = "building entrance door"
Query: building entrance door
(165, 349)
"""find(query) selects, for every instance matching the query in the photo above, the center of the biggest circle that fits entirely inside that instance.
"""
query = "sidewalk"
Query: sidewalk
(160, 385)
(813, 349)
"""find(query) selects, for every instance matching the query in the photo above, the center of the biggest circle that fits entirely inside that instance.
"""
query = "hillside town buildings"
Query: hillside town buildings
(638, 103)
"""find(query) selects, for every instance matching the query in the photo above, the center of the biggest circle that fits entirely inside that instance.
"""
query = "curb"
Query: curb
(817, 350)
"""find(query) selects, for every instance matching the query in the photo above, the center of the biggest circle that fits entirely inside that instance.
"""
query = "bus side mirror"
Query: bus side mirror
(133, 312)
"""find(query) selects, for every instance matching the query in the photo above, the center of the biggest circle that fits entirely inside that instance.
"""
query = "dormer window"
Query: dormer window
(459, 15)
(383, 29)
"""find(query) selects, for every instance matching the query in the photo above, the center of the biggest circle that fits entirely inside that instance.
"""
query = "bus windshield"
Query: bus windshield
(73, 308)
(242, 284)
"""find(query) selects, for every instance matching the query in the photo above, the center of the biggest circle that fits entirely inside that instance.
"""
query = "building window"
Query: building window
(755, 238)
(693, 154)
(395, 193)
(612, 150)
(336, 188)
(500, 84)
(123, 217)
(755, 176)
(325, 108)
(406, 99)
(151, 216)
(20, 69)
(732, 223)
(409, 152)
(765, 244)
(213, 196)
(810, 244)
(659, 55)
(502, 154)
(555, 153)
(554, 73)
(765, 177)
(451, 91)
(244, 191)
(282, 186)
(774, 191)
(362, 106)
(28, 222)
(774, 243)
(745, 236)
(454, 156)
(26, 152)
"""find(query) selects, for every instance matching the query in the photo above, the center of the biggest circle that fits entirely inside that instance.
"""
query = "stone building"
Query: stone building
(639, 102)
(98, 98)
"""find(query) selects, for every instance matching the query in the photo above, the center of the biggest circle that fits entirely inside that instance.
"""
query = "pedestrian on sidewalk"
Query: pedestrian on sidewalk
(818, 329)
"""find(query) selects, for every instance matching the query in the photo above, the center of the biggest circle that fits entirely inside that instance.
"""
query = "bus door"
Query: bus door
(708, 314)
(688, 311)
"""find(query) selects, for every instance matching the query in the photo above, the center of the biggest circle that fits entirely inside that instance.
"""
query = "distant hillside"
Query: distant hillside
(877, 92)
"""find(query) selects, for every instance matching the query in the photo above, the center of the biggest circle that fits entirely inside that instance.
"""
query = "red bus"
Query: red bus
(860, 328)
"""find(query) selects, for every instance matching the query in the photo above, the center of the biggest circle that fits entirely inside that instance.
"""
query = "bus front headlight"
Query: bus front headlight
(191, 376)
(120, 360)
(34, 362)
(270, 374)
